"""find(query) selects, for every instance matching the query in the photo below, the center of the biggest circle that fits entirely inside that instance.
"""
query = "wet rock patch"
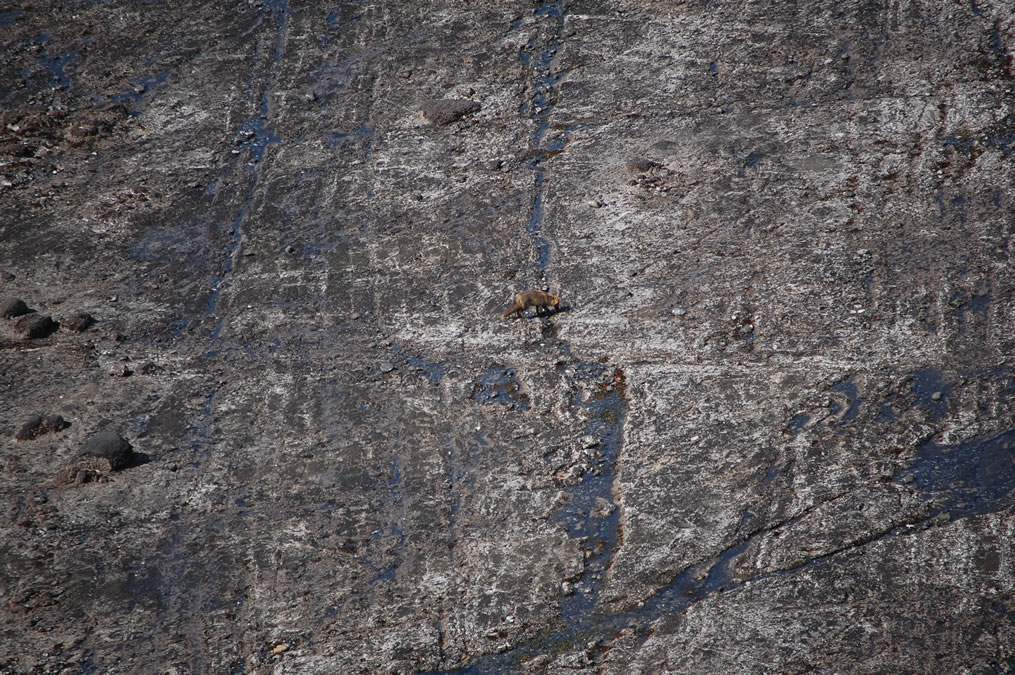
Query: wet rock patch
(500, 385)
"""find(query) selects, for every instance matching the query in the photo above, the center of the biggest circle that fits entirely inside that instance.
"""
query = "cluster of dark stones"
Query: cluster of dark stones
(31, 325)
(37, 425)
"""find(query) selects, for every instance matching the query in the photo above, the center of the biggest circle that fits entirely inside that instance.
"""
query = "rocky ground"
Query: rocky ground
(264, 416)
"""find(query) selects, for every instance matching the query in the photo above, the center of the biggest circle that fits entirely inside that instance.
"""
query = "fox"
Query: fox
(538, 299)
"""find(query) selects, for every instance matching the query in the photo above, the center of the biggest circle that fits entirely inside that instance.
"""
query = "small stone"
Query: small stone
(445, 111)
(11, 307)
(567, 588)
(40, 424)
(589, 441)
(279, 649)
(6, 276)
(77, 322)
(603, 508)
(121, 370)
(936, 396)
(642, 165)
(35, 326)
(387, 366)
(109, 446)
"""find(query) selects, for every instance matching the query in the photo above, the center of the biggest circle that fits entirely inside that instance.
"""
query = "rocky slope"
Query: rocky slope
(772, 428)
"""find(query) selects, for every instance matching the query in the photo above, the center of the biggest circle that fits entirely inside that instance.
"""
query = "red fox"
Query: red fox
(538, 299)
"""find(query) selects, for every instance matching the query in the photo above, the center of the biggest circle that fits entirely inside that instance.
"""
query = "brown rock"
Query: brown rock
(78, 322)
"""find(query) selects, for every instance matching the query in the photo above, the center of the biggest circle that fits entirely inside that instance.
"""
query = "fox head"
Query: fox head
(554, 299)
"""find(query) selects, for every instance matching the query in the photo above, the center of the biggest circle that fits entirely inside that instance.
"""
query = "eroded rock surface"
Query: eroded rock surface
(770, 429)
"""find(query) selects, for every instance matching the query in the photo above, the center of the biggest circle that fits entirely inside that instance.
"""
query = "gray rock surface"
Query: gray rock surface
(770, 429)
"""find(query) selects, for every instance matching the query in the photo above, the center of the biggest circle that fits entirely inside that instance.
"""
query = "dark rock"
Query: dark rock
(111, 447)
(642, 165)
(35, 326)
(446, 111)
(78, 322)
(11, 307)
(6, 276)
(40, 424)
(149, 368)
